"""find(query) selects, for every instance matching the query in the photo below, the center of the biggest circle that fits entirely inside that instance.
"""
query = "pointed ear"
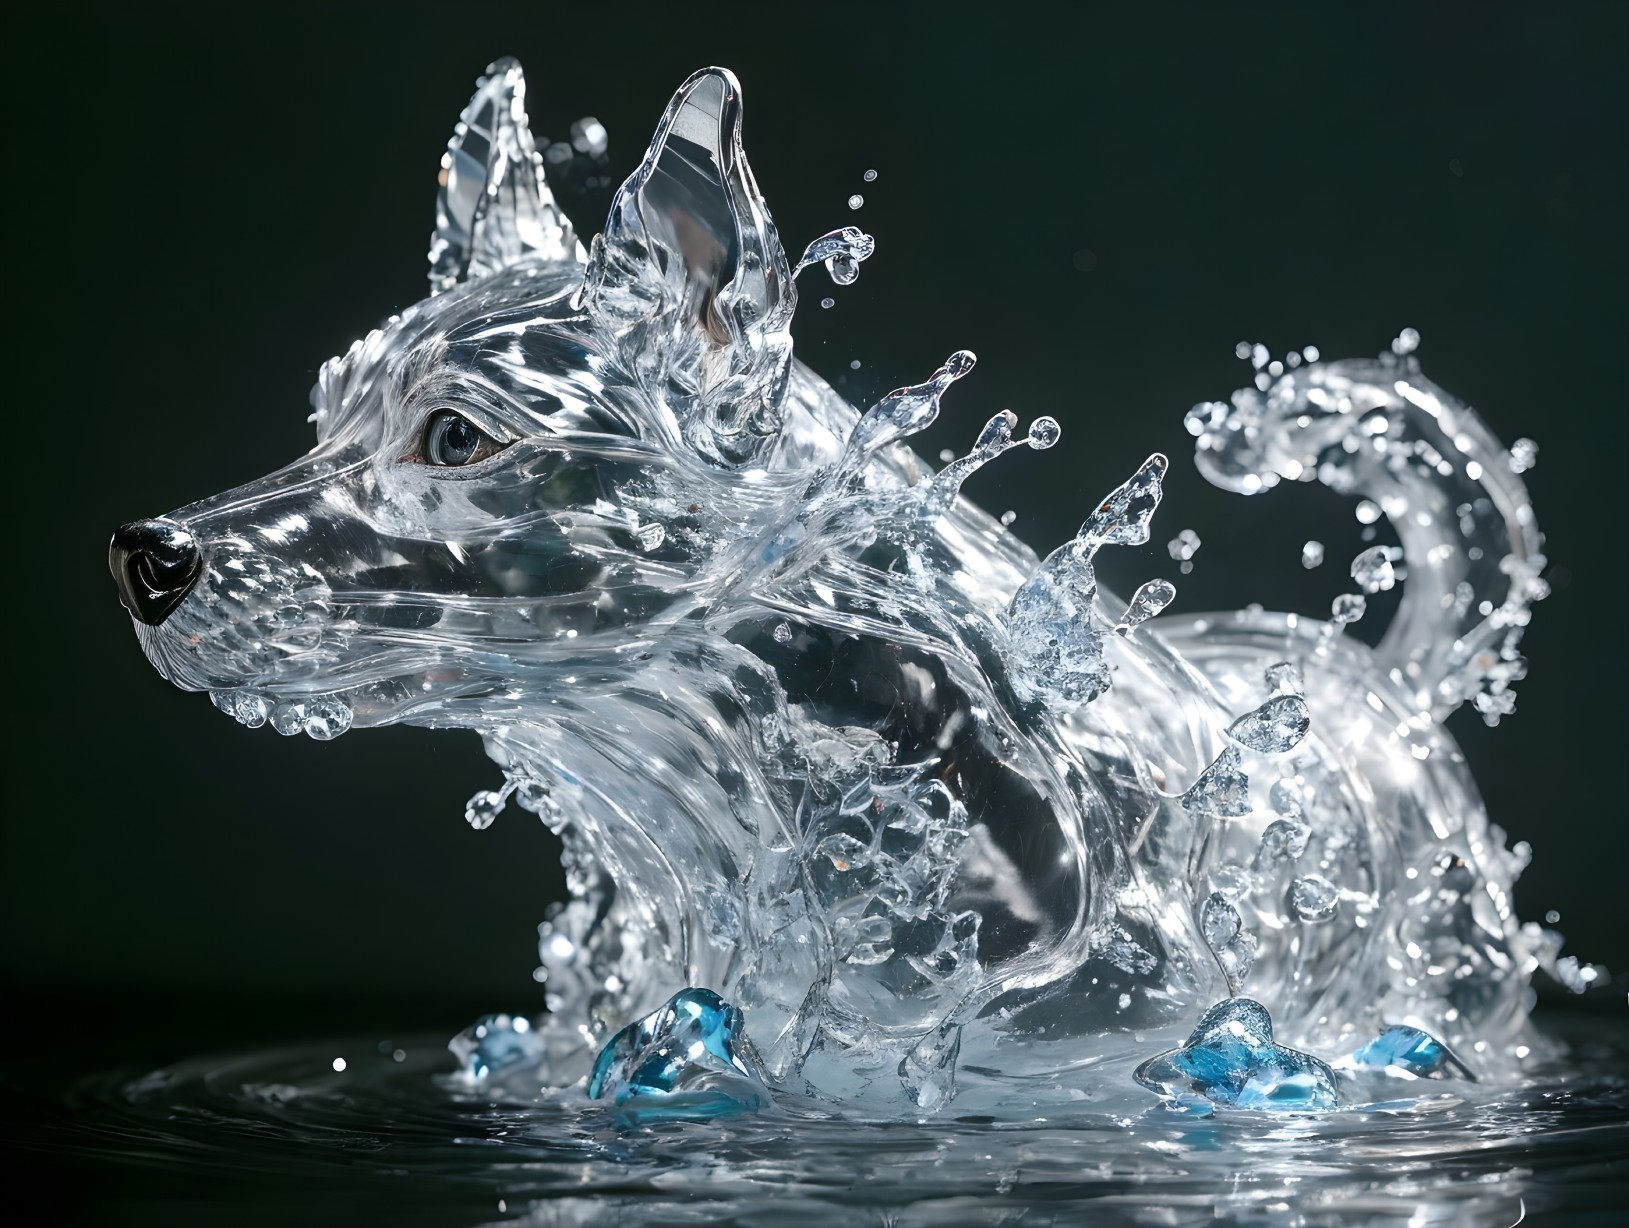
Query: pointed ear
(691, 274)
(494, 207)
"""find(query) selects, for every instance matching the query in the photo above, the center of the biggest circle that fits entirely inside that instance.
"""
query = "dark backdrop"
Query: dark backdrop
(1100, 203)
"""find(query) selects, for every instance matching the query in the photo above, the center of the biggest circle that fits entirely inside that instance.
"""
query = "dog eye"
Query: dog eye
(452, 439)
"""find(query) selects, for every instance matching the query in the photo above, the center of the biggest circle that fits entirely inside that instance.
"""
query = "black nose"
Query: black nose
(155, 564)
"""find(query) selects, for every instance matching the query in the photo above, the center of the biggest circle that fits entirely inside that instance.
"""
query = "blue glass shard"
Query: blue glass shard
(1232, 1061)
(683, 1060)
(494, 1042)
(1400, 1050)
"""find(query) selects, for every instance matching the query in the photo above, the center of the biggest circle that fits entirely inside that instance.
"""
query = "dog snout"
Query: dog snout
(155, 564)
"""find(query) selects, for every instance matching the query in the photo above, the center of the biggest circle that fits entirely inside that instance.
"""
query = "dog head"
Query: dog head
(490, 463)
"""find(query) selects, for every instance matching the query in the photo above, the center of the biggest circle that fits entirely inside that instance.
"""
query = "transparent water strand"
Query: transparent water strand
(842, 251)
(905, 411)
(996, 437)
(1275, 728)
(1053, 643)
(1151, 597)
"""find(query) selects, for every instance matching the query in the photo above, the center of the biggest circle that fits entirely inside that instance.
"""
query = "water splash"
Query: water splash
(841, 251)
(1151, 597)
(1275, 728)
(1231, 1060)
(822, 739)
(685, 1059)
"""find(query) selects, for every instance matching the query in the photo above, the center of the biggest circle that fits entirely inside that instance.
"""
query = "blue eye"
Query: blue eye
(452, 439)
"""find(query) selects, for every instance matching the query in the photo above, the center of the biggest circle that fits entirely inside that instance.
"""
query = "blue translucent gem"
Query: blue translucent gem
(1405, 1050)
(683, 1060)
(493, 1042)
(1232, 1061)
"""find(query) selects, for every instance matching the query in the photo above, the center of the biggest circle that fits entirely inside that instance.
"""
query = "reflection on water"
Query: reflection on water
(265, 1136)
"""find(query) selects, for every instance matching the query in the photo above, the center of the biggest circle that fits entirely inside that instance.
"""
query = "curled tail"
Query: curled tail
(1471, 545)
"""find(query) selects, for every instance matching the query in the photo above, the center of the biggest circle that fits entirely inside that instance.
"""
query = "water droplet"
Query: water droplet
(993, 440)
(339, 1065)
(1044, 432)
(245, 707)
(1222, 788)
(1367, 511)
(1223, 930)
(482, 809)
(1574, 976)
(1373, 569)
(1219, 920)
(1312, 555)
(1183, 546)
(1283, 840)
(1007, 517)
(1314, 898)
(588, 136)
(1123, 518)
(1284, 678)
(1347, 608)
(495, 1042)
(842, 251)
(1288, 797)
(1406, 342)
(326, 717)
(870, 176)
(1147, 601)
(288, 718)
(1274, 728)
(854, 364)
(855, 201)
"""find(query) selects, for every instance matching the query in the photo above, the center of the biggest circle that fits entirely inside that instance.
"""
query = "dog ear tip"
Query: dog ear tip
(722, 87)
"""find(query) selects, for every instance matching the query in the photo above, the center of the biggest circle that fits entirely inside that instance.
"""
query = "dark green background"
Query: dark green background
(206, 204)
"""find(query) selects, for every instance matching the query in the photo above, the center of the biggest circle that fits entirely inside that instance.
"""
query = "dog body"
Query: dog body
(816, 732)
